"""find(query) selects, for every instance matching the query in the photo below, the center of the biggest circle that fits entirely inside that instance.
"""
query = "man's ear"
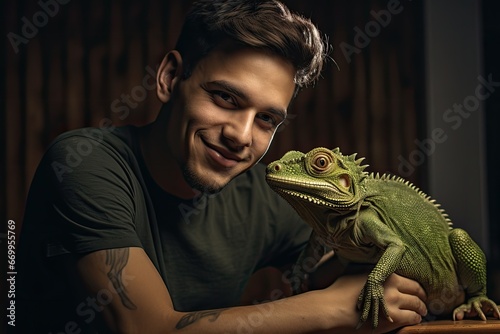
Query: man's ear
(169, 73)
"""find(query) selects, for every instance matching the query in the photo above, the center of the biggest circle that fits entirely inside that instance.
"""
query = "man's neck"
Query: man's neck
(159, 161)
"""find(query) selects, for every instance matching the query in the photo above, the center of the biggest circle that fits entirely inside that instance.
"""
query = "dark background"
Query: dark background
(491, 35)
(91, 53)
(84, 55)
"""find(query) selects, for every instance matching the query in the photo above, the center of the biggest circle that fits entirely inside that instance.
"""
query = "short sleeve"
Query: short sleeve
(91, 191)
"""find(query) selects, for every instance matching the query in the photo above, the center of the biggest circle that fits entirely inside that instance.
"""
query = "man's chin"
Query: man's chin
(201, 184)
(207, 189)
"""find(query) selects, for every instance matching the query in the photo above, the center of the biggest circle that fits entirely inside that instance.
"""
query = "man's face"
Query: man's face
(225, 114)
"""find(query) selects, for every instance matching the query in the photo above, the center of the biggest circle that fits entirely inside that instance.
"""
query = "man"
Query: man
(158, 229)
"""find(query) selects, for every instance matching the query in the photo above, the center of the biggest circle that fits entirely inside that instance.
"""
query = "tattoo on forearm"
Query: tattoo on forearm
(117, 260)
(192, 317)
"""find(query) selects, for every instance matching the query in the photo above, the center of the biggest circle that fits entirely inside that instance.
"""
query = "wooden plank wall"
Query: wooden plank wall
(90, 53)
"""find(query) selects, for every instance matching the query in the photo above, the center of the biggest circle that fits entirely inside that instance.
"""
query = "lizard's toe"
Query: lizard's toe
(479, 306)
(370, 301)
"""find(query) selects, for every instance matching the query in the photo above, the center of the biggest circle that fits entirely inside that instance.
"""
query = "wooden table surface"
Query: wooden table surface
(455, 327)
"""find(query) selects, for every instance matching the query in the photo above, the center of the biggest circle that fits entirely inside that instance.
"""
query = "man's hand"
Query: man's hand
(404, 297)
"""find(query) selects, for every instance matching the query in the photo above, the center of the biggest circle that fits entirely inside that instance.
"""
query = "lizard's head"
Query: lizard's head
(319, 180)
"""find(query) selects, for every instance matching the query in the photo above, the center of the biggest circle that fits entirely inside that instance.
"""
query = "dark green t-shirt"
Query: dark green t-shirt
(92, 191)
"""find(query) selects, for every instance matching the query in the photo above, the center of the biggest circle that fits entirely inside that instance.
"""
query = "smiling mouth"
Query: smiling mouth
(221, 157)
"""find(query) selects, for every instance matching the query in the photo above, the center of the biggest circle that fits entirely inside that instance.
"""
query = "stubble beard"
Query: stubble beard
(198, 183)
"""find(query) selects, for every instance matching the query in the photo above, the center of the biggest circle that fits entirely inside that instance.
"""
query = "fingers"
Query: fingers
(413, 303)
(407, 286)
(404, 295)
(408, 318)
(404, 299)
(404, 318)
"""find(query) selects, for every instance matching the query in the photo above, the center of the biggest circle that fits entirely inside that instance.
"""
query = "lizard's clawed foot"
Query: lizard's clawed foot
(477, 306)
(371, 299)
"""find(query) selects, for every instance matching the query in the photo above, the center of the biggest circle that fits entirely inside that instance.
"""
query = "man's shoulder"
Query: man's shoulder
(90, 149)
(93, 142)
(83, 137)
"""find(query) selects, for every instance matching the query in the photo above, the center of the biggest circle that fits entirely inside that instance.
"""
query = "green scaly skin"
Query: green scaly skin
(385, 221)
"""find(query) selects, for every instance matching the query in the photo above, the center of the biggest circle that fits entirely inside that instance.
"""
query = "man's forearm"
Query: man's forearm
(295, 314)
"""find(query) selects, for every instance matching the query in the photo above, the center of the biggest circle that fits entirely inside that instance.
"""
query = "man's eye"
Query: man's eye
(224, 99)
(268, 119)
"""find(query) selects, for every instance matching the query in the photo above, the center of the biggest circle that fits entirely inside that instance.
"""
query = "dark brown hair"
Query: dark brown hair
(265, 24)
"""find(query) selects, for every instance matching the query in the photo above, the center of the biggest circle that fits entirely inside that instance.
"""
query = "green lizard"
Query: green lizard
(385, 221)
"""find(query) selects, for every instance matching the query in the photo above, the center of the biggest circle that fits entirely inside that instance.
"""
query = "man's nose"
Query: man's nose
(239, 129)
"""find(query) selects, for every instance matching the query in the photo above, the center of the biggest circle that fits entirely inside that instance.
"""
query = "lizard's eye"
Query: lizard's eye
(322, 163)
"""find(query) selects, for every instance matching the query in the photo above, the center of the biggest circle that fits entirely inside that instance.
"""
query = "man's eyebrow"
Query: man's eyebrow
(239, 93)
(230, 88)
(279, 113)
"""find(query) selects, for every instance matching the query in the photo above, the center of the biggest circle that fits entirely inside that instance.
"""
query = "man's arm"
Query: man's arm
(139, 302)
